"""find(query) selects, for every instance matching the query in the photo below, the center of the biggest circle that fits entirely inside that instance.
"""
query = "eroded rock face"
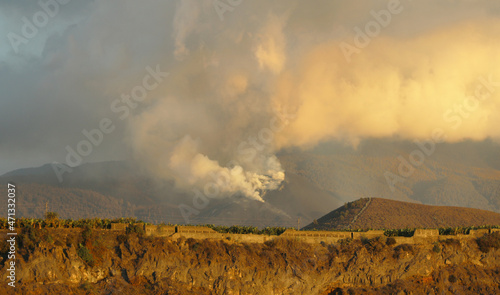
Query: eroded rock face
(137, 265)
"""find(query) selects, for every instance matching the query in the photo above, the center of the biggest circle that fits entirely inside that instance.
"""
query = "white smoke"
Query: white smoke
(230, 76)
(193, 169)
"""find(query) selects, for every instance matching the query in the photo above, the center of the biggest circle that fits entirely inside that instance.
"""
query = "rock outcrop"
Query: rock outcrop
(132, 264)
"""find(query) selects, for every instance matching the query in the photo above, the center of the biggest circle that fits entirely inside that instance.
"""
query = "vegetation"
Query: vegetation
(51, 216)
(86, 234)
(134, 229)
(122, 239)
(390, 241)
(52, 220)
(443, 231)
(29, 238)
(402, 250)
(374, 245)
(237, 229)
(436, 248)
(489, 241)
(463, 230)
(85, 255)
(405, 232)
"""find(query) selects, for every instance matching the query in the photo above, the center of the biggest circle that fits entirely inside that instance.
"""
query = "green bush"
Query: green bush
(238, 229)
(85, 255)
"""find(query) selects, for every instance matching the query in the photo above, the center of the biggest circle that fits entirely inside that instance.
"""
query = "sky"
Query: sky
(195, 90)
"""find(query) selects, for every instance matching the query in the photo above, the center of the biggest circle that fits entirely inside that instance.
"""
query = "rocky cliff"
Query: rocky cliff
(75, 261)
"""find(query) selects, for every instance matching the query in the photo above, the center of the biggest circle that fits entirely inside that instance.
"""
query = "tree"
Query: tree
(51, 216)
(52, 219)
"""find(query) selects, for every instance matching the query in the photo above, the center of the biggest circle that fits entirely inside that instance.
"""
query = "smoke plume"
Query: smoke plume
(234, 77)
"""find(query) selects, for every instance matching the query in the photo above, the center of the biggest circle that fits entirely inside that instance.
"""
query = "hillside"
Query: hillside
(118, 189)
(84, 261)
(316, 181)
(377, 213)
(465, 174)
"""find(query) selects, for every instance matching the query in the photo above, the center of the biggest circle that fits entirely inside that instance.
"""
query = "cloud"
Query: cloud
(403, 88)
(229, 77)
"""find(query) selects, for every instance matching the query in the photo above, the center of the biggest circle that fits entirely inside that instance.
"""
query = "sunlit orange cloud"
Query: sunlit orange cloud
(403, 88)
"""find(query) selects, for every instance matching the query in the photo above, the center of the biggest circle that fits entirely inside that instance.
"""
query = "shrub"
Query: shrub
(452, 279)
(237, 229)
(195, 247)
(122, 239)
(489, 241)
(451, 231)
(405, 232)
(436, 248)
(135, 229)
(86, 234)
(85, 255)
(374, 245)
(404, 247)
(390, 241)
(333, 249)
(31, 237)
